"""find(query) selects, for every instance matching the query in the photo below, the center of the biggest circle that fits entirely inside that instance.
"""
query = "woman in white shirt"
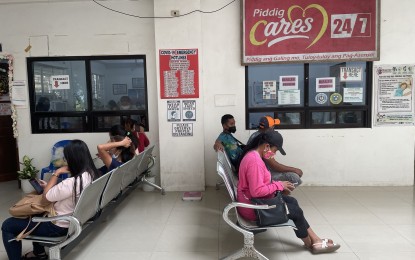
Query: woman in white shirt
(64, 195)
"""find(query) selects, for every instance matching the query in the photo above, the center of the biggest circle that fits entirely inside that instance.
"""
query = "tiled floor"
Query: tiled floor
(369, 223)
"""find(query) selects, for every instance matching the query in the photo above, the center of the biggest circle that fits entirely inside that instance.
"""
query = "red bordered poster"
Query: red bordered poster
(179, 73)
(276, 31)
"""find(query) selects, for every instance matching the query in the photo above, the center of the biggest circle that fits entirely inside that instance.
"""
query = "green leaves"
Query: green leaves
(29, 171)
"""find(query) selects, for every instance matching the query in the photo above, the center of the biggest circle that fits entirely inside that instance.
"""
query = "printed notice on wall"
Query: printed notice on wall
(269, 89)
(288, 82)
(19, 95)
(189, 110)
(352, 95)
(394, 94)
(173, 110)
(179, 73)
(182, 129)
(289, 97)
(326, 84)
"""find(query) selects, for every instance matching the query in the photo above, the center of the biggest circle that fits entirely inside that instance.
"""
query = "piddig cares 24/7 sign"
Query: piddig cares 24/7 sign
(310, 30)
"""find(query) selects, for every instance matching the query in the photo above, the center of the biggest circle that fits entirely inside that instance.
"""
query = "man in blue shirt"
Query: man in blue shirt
(227, 142)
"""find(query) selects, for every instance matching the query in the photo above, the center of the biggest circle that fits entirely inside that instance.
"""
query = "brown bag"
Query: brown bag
(31, 204)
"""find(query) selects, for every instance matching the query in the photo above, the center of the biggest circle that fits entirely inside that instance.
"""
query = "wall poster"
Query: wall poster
(182, 129)
(173, 110)
(394, 94)
(305, 31)
(179, 73)
(189, 110)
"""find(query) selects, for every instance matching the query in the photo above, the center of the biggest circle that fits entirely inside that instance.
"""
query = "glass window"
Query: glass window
(86, 94)
(316, 95)
(266, 90)
(60, 86)
(116, 84)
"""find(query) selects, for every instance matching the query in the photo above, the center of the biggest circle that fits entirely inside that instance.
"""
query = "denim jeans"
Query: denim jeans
(13, 226)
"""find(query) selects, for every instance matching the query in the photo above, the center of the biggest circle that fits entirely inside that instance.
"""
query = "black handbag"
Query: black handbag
(272, 216)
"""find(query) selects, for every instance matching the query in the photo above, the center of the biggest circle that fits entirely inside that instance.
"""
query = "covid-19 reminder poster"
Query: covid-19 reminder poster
(394, 96)
(276, 31)
(179, 73)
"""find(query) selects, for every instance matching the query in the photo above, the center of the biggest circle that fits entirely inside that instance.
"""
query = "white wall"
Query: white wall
(372, 156)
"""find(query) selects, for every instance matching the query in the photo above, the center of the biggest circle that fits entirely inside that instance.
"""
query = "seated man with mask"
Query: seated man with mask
(227, 142)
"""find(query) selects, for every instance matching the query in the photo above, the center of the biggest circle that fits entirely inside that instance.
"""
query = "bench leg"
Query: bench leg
(54, 253)
(247, 251)
(144, 180)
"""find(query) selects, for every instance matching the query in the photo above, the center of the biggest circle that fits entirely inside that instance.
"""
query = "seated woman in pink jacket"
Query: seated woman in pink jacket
(255, 182)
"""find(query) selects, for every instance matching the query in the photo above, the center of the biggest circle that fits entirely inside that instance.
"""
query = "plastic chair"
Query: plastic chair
(57, 153)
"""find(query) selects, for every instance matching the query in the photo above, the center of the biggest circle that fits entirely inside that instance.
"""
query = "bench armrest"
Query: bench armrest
(232, 205)
(74, 224)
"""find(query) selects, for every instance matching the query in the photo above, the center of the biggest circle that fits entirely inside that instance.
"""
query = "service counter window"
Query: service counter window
(86, 94)
(315, 95)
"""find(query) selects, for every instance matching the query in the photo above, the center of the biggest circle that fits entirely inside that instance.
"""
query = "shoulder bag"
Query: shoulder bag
(272, 216)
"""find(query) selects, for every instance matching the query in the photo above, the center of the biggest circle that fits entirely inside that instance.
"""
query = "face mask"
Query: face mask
(232, 129)
(269, 154)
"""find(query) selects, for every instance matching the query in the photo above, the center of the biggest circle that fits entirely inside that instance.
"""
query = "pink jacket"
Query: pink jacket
(254, 182)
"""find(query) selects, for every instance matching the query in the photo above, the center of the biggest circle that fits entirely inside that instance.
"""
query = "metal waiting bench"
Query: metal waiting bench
(95, 203)
(247, 228)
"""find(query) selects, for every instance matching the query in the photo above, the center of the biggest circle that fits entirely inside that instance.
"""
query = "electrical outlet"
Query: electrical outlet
(175, 13)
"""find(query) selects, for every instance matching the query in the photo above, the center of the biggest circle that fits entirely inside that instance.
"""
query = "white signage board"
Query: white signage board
(60, 82)
(182, 129)
(348, 74)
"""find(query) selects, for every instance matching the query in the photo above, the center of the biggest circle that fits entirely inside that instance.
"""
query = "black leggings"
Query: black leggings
(297, 215)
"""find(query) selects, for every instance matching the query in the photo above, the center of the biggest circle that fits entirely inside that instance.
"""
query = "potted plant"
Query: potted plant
(28, 172)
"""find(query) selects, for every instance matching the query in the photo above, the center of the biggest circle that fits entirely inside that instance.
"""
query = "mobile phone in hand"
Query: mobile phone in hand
(36, 185)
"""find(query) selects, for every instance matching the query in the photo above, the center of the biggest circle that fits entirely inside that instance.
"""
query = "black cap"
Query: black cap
(274, 139)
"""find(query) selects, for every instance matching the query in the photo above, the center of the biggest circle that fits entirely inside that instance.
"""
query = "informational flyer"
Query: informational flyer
(352, 95)
(288, 82)
(189, 110)
(269, 89)
(350, 74)
(326, 84)
(19, 95)
(182, 129)
(394, 94)
(173, 110)
(179, 73)
(289, 97)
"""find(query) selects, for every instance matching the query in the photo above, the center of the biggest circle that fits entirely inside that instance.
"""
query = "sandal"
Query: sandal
(32, 256)
(324, 247)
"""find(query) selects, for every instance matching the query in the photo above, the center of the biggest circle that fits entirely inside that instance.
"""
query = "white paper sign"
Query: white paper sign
(269, 89)
(19, 95)
(351, 95)
(173, 110)
(350, 74)
(189, 110)
(288, 82)
(326, 84)
(182, 129)
(60, 82)
(289, 97)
